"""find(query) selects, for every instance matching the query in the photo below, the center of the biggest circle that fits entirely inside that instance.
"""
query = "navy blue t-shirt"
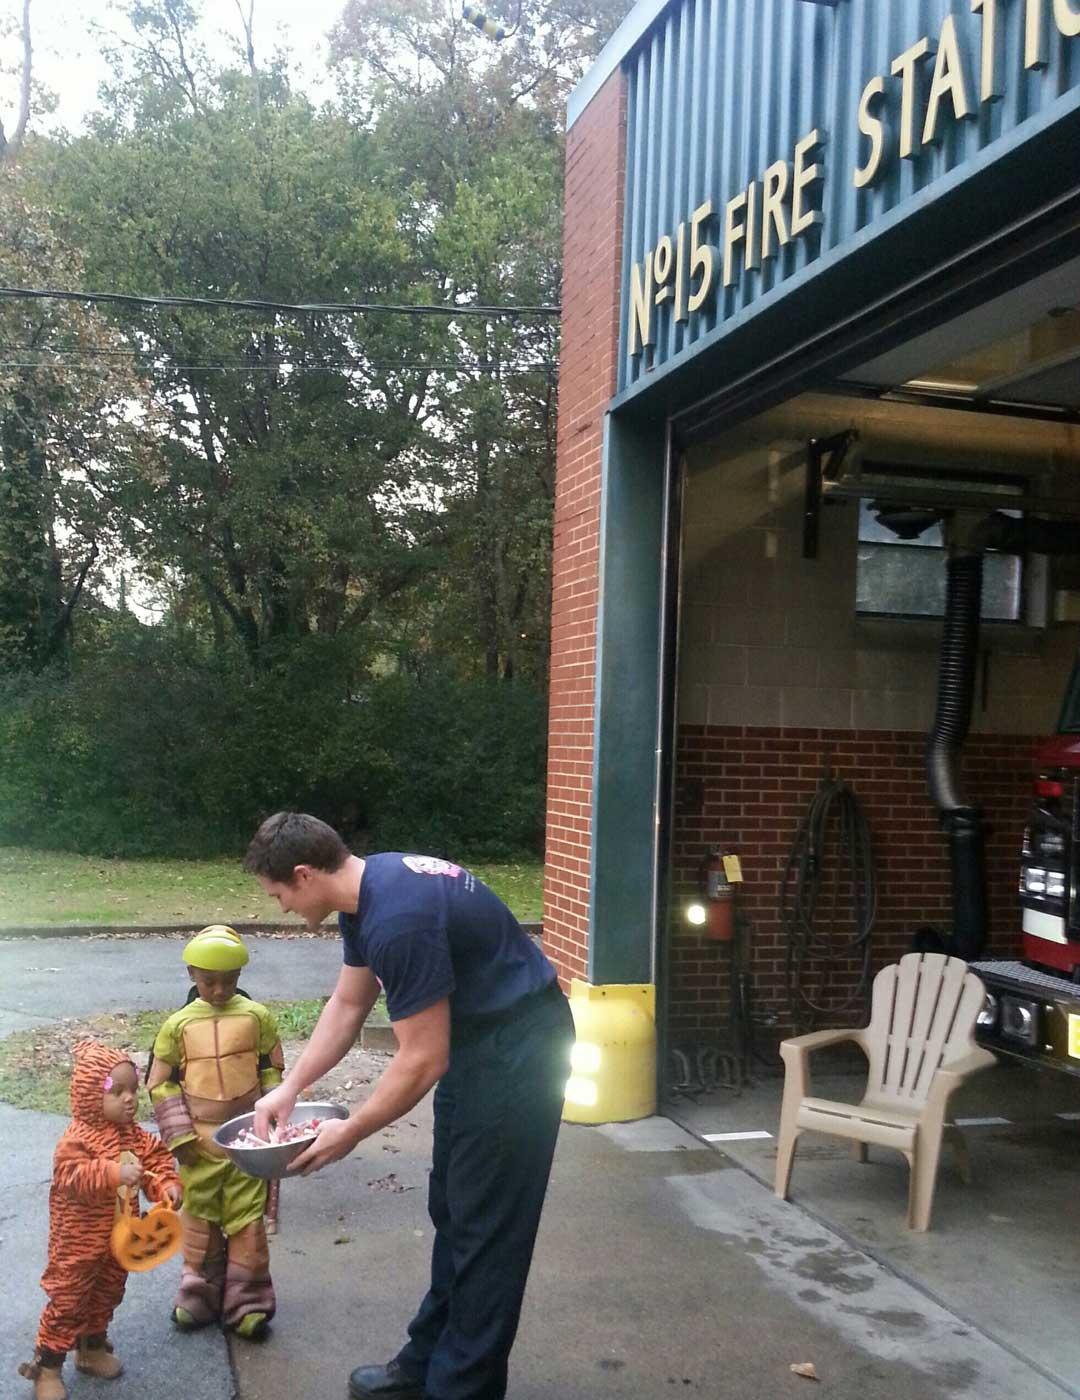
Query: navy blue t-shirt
(429, 929)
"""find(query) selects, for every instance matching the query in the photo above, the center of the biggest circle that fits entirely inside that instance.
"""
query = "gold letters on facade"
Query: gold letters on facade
(756, 224)
(934, 82)
(951, 82)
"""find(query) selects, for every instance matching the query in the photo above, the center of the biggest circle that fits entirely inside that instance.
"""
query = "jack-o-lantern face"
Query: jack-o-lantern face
(139, 1243)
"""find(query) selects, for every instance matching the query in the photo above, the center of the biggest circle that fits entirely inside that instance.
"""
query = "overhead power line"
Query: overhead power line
(441, 366)
(285, 308)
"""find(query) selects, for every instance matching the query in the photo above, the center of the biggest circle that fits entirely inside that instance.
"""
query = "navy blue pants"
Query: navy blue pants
(497, 1112)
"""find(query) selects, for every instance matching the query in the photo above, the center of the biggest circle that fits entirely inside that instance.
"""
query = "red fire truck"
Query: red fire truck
(1032, 1006)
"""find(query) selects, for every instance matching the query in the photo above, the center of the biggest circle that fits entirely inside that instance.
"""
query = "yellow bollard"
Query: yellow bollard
(613, 1064)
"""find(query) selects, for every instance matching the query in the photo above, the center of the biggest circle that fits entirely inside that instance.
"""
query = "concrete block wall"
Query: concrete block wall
(592, 250)
(771, 638)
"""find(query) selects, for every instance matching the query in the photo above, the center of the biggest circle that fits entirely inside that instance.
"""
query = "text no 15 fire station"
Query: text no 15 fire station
(779, 207)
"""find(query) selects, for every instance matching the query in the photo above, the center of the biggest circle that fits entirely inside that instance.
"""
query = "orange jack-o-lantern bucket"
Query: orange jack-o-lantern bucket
(141, 1242)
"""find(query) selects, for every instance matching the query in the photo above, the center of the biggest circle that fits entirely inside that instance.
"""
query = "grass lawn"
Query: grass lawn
(56, 888)
(35, 1065)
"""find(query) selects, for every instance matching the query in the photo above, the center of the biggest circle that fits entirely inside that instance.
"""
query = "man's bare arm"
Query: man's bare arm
(334, 1034)
(421, 1060)
(338, 1025)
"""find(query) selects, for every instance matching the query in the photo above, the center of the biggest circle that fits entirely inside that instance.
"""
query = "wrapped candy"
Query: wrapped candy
(288, 1132)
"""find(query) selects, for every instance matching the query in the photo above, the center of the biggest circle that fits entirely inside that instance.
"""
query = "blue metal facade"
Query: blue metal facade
(719, 90)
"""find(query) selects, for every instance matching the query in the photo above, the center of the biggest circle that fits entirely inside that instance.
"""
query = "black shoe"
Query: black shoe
(387, 1382)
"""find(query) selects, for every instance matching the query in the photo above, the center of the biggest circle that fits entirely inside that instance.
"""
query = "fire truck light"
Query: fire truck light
(987, 1017)
(1055, 884)
(696, 914)
(1020, 1020)
(1035, 879)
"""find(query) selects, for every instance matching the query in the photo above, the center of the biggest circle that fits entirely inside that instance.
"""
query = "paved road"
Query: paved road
(46, 979)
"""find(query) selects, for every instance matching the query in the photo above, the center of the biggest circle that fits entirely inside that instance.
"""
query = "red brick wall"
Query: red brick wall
(757, 784)
(592, 266)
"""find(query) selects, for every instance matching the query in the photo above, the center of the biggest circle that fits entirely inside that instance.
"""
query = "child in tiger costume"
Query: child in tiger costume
(212, 1059)
(102, 1155)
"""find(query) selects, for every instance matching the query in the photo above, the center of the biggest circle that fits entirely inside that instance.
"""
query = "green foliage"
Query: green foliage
(152, 746)
(35, 1065)
(453, 767)
(296, 1019)
(343, 522)
(58, 517)
(49, 887)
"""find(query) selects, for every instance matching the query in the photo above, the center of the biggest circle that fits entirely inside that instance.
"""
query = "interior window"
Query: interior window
(906, 577)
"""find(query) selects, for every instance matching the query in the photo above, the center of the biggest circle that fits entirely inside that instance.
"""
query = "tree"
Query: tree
(473, 129)
(70, 442)
(10, 145)
(425, 48)
(321, 500)
(56, 427)
(301, 479)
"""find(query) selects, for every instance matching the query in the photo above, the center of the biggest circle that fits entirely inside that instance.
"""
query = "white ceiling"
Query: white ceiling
(1022, 347)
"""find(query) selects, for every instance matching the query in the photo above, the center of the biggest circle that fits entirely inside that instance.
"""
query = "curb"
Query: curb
(533, 927)
(378, 1038)
(146, 930)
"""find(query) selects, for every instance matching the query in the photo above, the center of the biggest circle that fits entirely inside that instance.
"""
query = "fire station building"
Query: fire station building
(821, 351)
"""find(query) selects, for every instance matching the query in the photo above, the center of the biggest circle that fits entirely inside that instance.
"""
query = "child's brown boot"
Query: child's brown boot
(44, 1371)
(95, 1357)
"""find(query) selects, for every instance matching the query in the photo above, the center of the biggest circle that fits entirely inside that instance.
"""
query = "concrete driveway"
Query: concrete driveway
(662, 1269)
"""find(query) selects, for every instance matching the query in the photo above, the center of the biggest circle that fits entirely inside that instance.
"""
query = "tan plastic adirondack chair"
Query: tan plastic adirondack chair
(920, 1045)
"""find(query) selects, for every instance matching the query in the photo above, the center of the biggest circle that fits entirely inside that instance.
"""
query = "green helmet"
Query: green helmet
(218, 948)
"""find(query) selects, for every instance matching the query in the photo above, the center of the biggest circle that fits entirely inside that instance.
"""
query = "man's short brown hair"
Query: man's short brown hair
(289, 839)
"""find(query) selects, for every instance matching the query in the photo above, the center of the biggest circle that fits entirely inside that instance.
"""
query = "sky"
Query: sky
(67, 60)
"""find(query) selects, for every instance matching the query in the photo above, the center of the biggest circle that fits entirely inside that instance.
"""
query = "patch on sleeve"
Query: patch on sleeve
(430, 865)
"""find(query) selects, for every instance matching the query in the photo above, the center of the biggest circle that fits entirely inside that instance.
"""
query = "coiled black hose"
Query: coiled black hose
(830, 880)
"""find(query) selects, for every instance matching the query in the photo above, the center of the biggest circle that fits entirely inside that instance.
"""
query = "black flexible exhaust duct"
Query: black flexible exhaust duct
(960, 819)
(956, 679)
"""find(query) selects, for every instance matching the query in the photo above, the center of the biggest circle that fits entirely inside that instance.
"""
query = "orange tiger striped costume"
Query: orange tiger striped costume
(84, 1282)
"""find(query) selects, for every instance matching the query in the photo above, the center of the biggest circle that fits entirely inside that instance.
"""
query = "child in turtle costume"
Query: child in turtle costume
(212, 1060)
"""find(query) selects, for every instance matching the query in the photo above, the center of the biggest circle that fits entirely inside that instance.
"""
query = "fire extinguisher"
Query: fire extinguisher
(719, 875)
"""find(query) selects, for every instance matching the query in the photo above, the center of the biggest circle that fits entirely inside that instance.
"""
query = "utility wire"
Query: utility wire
(50, 356)
(157, 352)
(542, 367)
(283, 307)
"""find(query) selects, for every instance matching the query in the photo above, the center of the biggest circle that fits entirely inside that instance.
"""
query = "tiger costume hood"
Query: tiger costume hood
(93, 1063)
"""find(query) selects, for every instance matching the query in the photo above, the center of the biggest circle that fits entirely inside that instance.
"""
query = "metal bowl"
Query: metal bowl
(271, 1162)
